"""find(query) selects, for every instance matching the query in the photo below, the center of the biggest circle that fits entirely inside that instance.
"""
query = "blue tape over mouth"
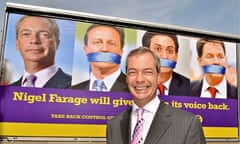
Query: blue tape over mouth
(104, 57)
(168, 63)
(214, 69)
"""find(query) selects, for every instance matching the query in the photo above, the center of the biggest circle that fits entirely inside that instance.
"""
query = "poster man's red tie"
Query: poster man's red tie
(212, 91)
(138, 130)
(161, 88)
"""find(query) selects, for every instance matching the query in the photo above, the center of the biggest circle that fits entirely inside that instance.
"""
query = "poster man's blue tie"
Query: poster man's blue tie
(99, 85)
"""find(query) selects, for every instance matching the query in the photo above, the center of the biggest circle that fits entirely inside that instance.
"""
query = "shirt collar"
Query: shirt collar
(108, 81)
(43, 75)
(151, 106)
(221, 87)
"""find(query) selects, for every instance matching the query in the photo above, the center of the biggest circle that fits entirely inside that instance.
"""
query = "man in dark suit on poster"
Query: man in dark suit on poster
(150, 120)
(166, 46)
(103, 45)
(212, 59)
(37, 39)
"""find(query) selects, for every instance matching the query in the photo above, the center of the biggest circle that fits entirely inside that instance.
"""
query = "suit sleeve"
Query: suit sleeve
(108, 134)
(195, 133)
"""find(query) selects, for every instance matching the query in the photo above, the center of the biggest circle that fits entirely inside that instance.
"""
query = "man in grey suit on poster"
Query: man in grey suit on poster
(103, 45)
(162, 124)
(37, 39)
(166, 46)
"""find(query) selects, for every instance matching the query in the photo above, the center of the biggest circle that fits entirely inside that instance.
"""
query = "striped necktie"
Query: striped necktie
(99, 85)
(138, 130)
(30, 80)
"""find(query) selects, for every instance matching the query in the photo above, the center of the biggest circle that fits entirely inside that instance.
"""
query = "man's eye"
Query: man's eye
(158, 49)
(130, 73)
(148, 72)
(112, 44)
(169, 51)
(44, 35)
(209, 56)
(97, 43)
(25, 34)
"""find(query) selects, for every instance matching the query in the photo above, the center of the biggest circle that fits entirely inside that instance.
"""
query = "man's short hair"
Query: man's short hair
(118, 29)
(146, 39)
(202, 41)
(143, 50)
(53, 23)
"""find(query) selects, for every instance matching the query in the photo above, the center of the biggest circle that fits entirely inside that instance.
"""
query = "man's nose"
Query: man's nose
(35, 38)
(140, 77)
(163, 54)
(216, 60)
(104, 47)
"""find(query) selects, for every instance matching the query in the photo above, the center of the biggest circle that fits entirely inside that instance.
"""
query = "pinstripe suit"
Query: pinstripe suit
(169, 126)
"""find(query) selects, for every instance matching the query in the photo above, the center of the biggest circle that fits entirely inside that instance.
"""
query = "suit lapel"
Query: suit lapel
(125, 127)
(59, 80)
(120, 84)
(159, 125)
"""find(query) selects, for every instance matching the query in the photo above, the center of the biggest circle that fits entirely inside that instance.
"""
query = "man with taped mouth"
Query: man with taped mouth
(166, 46)
(212, 59)
(103, 46)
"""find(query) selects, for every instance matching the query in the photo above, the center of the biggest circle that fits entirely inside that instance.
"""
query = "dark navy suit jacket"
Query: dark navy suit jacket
(119, 85)
(59, 80)
(196, 87)
(179, 85)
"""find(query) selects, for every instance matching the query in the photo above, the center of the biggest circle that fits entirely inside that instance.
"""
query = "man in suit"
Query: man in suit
(166, 46)
(212, 59)
(159, 123)
(37, 39)
(104, 48)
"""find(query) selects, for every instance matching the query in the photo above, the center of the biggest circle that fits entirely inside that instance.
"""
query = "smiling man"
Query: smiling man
(149, 120)
(37, 40)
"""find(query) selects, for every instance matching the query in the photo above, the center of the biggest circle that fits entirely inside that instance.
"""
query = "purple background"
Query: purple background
(40, 112)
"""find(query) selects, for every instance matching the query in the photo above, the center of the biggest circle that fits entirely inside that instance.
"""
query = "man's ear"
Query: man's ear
(85, 48)
(58, 42)
(17, 46)
(199, 60)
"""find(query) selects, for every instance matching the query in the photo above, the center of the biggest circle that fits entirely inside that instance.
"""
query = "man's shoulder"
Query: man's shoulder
(178, 112)
(81, 85)
(180, 77)
(196, 83)
(63, 75)
(121, 116)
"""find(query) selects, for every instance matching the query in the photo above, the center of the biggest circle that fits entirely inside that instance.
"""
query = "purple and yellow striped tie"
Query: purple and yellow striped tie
(138, 130)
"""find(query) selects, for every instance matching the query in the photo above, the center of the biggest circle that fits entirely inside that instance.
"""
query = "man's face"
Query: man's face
(213, 54)
(103, 39)
(142, 78)
(36, 41)
(164, 47)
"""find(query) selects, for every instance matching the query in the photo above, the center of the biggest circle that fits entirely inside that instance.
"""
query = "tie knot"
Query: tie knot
(99, 85)
(212, 91)
(161, 88)
(30, 80)
(140, 113)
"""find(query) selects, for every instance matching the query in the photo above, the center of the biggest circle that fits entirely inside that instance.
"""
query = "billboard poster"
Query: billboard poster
(66, 99)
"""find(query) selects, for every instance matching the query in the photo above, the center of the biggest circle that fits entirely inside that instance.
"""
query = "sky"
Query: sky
(211, 15)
